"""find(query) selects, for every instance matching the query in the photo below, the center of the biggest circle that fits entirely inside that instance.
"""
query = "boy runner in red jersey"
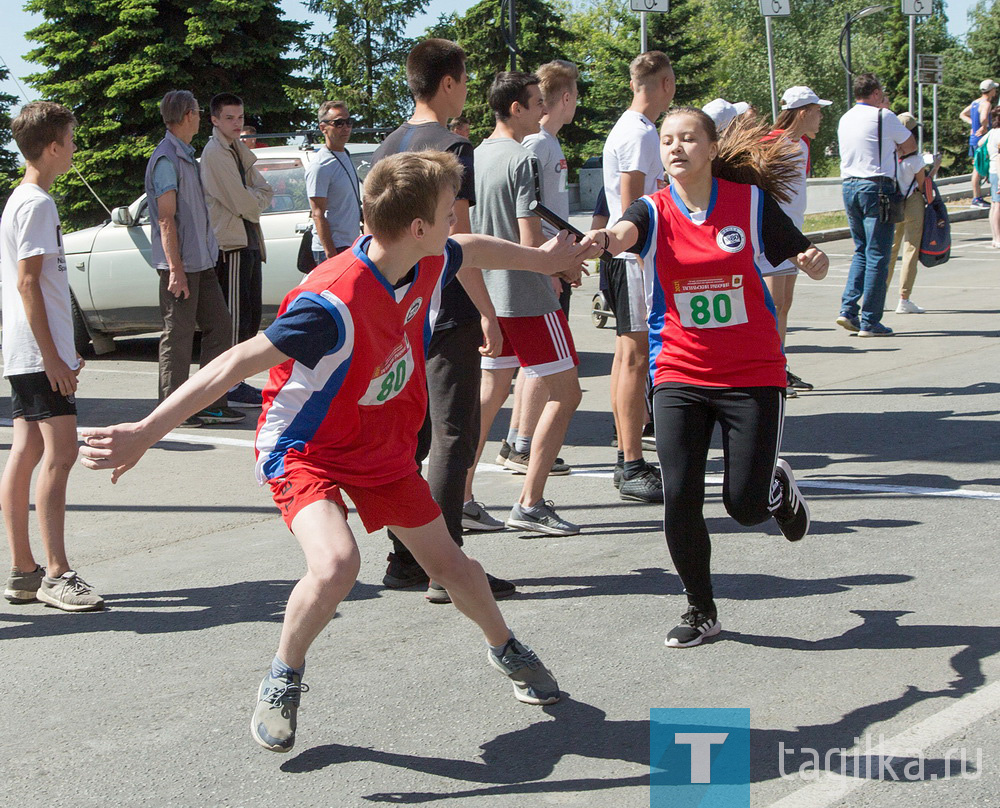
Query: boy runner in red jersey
(342, 408)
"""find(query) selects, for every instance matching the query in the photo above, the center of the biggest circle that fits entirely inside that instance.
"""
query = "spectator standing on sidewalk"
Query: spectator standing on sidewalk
(977, 116)
(992, 141)
(236, 194)
(332, 185)
(911, 178)
(184, 249)
(868, 169)
(40, 364)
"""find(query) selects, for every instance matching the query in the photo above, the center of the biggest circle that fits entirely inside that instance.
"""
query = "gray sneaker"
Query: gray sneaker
(541, 518)
(533, 682)
(476, 517)
(70, 593)
(518, 463)
(22, 587)
(274, 719)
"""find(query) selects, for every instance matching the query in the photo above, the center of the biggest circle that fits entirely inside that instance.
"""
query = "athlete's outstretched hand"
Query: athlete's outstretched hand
(566, 255)
(117, 447)
(813, 262)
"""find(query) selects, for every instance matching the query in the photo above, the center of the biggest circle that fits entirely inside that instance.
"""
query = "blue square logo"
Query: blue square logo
(699, 758)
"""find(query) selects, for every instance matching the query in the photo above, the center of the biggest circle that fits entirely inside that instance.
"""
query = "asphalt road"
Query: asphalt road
(881, 624)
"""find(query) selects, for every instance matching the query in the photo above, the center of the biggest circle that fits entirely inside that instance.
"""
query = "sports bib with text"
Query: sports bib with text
(710, 302)
(391, 376)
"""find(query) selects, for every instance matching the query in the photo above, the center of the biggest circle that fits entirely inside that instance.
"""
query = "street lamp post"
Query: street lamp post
(845, 34)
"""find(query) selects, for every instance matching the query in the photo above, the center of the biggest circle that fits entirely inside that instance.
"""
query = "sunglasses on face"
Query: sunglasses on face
(338, 122)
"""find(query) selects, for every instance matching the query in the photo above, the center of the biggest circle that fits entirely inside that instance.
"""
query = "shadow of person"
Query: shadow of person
(515, 762)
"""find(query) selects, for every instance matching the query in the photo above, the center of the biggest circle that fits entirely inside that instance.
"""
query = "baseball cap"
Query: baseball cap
(907, 120)
(800, 96)
(986, 85)
(724, 113)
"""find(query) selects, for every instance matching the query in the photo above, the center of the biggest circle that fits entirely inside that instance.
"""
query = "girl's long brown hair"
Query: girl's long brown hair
(748, 156)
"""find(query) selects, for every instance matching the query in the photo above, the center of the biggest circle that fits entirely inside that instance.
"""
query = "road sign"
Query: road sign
(918, 8)
(775, 8)
(930, 77)
(662, 6)
(930, 68)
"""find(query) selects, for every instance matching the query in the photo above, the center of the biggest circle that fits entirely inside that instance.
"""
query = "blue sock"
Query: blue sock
(512, 436)
(522, 444)
(280, 669)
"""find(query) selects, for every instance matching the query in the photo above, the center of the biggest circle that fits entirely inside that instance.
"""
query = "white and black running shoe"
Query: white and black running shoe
(792, 512)
(695, 626)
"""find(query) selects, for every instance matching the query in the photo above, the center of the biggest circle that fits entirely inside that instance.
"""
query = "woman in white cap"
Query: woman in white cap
(724, 113)
(799, 121)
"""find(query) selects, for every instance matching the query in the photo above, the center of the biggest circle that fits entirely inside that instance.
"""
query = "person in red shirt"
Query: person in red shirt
(342, 407)
(715, 354)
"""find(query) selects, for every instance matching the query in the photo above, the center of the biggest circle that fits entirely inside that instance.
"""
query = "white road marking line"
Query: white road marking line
(711, 479)
(933, 729)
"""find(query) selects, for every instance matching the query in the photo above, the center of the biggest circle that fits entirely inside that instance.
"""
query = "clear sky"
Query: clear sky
(13, 45)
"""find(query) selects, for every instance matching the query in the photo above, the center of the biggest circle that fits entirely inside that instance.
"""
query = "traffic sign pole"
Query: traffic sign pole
(912, 60)
(643, 35)
(770, 68)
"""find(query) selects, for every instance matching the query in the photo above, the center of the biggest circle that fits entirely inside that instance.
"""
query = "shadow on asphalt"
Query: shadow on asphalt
(517, 762)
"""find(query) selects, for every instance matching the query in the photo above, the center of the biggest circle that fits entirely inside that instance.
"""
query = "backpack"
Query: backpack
(935, 244)
(981, 161)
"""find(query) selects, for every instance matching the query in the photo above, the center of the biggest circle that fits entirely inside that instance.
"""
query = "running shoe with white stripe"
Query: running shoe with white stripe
(694, 627)
(788, 507)
(541, 518)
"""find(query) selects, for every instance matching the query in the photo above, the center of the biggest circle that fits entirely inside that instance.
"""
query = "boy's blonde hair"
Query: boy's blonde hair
(647, 65)
(405, 187)
(38, 124)
(555, 78)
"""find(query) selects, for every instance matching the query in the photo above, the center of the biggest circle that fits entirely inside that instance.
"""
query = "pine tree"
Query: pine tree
(111, 61)
(541, 37)
(9, 170)
(362, 59)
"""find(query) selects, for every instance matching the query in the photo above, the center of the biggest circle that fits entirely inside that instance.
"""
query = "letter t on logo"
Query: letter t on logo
(701, 752)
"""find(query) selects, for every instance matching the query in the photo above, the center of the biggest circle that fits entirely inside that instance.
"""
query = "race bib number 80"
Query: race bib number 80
(710, 302)
(390, 379)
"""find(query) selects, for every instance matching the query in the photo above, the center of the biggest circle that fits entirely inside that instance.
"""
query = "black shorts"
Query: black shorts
(626, 295)
(32, 398)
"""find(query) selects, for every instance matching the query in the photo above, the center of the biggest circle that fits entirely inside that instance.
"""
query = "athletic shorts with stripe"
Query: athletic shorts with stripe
(402, 503)
(541, 345)
(626, 294)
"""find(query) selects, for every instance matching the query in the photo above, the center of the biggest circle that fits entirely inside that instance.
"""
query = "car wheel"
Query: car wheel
(81, 335)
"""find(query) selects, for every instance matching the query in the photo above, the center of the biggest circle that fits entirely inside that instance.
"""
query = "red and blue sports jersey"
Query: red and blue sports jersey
(352, 396)
(712, 321)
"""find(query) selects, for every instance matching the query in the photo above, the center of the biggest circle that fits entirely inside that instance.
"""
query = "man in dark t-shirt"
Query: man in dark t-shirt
(435, 73)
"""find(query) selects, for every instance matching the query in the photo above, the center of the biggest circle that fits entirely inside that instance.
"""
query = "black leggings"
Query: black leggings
(684, 418)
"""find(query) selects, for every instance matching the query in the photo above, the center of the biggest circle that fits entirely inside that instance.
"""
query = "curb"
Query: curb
(820, 236)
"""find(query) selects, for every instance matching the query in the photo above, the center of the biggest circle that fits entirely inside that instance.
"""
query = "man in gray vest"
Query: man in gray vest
(184, 250)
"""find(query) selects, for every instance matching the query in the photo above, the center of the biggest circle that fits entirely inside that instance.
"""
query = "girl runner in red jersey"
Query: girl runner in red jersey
(715, 352)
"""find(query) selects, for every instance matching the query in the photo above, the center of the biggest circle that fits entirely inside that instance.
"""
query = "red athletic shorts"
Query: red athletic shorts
(541, 345)
(402, 503)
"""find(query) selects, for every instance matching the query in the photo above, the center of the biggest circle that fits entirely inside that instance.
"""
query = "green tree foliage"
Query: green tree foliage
(9, 171)
(542, 36)
(111, 61)
(362, 59)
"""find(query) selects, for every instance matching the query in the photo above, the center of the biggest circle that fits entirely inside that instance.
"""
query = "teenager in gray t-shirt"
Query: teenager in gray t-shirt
(505, 186)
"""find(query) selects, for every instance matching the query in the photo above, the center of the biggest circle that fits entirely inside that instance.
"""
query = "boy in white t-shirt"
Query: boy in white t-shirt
(40, 363)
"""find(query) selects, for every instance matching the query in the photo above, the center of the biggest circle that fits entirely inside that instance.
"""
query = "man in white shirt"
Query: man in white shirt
(332, 185)
(869, 135)
(633, 168)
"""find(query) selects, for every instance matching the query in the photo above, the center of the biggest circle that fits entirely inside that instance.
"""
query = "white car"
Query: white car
(114, 287)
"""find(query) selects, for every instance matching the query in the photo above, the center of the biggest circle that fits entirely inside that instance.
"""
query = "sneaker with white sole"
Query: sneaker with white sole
(498, 586)
(875, 330)
(694, 627)
(518, 463)
(220, 415)
(643, 486)
(22, 587)
(541, 518)
(504, 453)
(70, 593)
(276, 716)
(792, 512)
(908, 307)
(849, 322)
(533, 682)
(796, 382)
(476, 517)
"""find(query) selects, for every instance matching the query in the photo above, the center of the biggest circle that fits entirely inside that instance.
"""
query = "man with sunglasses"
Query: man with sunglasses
(332, 185)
